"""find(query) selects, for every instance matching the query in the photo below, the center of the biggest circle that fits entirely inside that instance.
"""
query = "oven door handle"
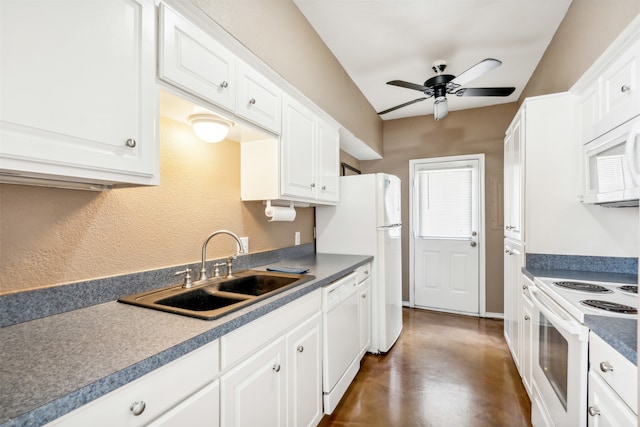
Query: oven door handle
(573, 327)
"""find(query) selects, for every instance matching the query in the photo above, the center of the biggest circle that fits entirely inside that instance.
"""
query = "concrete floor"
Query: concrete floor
(445, 370)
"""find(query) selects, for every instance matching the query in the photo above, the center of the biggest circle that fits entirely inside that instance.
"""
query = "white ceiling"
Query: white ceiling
(381, 40)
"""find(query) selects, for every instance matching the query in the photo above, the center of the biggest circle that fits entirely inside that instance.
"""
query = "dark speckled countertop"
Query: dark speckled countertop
(620, 334)
(53, 365)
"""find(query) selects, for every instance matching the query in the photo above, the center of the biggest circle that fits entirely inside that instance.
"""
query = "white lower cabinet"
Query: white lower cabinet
(185, 389)
(254, 392)
(526, 343)
(304, 360)
(364, 307)
(272, 368)
(199, 409)
(606, 409)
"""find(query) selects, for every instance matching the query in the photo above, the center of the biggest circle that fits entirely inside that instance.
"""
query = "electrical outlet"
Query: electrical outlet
(297, 238)
(245, 244)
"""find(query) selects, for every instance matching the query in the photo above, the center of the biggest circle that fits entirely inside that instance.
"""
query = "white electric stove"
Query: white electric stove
(580, 297)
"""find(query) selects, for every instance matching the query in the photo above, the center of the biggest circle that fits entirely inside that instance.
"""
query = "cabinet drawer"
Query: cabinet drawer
(363, 272)
(249, 338)
(160, 390)
(616, 371)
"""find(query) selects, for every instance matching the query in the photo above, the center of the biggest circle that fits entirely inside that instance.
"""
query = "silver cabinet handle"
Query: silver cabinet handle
(224, 84)
(137, 408)
(526, 317)
(300, 349)
(593, 411)
(276, 367)
(252, 101)
(606, 367)
(473, 244)
(313, 185)
(508, 252)
(525, 287)
(625, 88)
(131, 143)
(324, 187)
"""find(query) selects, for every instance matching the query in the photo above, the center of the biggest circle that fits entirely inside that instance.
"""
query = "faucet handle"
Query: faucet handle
(216, 269)
(187, 277)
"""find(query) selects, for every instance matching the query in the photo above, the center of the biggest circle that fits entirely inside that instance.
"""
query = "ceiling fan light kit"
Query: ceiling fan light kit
(441, 84)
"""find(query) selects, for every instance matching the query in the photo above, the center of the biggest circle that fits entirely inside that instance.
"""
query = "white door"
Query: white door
(446, 233)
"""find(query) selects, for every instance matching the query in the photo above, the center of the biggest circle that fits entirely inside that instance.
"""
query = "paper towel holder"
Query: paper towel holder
(267, 209)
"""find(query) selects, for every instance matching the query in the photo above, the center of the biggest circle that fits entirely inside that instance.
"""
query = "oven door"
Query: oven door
(559, 365)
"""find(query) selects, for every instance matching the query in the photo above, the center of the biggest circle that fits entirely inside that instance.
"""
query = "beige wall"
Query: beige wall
(462, 132)
(50, 236)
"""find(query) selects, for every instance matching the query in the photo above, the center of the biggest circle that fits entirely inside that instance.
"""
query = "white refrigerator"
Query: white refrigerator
(367, 221)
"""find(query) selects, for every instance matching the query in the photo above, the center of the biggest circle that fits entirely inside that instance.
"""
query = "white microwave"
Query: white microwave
(611, 164)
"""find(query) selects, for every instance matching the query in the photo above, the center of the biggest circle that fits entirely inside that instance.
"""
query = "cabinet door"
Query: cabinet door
(527, 345)
(328, 152)
(513, 262)
(605, 407)
(254, 392)
(364, 314)
(514, 179)
(620, 94)
(298, 150)
(192, 60)
(304, 352)
(201, 409)
(258, 99)
(78, 90)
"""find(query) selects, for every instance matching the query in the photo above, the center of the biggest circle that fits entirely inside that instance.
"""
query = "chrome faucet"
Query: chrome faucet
(203, 270)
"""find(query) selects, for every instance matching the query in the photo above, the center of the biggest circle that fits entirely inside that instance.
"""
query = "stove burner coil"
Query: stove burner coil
(633, 289)
(583, 287)
(613, 307)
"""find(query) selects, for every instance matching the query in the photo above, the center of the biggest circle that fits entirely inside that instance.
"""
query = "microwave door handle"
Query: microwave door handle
(572, 327)
(630, 150)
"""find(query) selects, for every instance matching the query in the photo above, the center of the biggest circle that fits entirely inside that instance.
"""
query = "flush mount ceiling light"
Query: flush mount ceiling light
(209, 127)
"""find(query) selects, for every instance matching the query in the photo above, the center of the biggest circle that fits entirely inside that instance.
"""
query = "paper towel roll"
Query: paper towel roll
(276, 213)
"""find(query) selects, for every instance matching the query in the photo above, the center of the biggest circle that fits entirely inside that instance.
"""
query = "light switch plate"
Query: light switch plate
(297, 238)
(245, 244)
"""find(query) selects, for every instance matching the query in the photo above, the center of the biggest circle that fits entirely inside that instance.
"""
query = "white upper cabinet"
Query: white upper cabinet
(78, 93)
(514, 178)
(610, 91)
(298, 150)
(310, 155)
(258, 99)
(192, 60)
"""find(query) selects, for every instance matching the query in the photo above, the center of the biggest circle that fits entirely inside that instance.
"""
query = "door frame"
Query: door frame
(482, 289)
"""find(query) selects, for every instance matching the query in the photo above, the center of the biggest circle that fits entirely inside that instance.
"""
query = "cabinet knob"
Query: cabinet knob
(508, 252)
(224, 84)
(138, 408)
(252, 101)
(364, 296)
(606, 367)
(526, 317)
(324, 187)
(472, 244)
(131, 143)
(593, 411)
(300, 349)
(276, 367)
(313, 185)
(625, 88)
(525, 287)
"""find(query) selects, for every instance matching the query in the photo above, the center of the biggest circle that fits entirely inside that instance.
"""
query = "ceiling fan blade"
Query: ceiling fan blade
(476, 71)
(485, 91)
(408, 85)
(401, 105)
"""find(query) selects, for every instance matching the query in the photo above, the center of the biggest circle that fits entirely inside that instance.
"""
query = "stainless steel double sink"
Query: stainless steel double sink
(217, 297)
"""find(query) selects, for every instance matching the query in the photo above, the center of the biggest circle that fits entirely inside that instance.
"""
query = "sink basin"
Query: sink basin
(218, 296)
(258, 284)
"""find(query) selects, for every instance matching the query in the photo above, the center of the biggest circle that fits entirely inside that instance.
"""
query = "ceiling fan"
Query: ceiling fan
(442, 84)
